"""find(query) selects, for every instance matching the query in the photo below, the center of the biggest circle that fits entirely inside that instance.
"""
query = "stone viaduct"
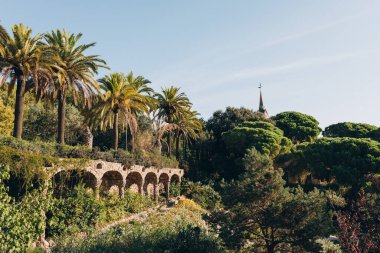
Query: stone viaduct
(104, 177)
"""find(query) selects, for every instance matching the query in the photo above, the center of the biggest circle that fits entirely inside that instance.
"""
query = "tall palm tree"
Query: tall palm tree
(26, 63)
(74, 74)
(120, 98)
(142, 87)
(188, 127)
(171, 103)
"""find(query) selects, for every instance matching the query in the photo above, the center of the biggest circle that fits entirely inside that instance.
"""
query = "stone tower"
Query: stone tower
(261, 105)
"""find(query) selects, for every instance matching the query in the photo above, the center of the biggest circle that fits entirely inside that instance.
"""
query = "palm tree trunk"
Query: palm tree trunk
(61, 117)
(184, 148)
(126, 138)
(177, 145)
(169, 140)
(19, 107)
(116, 130)
(88, 137)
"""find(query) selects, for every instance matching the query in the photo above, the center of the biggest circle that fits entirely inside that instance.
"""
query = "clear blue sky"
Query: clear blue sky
(317, 57)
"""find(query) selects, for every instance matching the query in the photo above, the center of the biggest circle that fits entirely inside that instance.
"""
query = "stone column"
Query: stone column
(97, 188)
(167, 189)
(155, 191)
(121, 189)
(141, 186)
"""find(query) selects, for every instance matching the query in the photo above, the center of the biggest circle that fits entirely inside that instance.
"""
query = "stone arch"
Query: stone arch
(175, 179)
(163, 185)
(112, 181)
(175, 182)
(150, 184)
(134, 182)
(66, 180)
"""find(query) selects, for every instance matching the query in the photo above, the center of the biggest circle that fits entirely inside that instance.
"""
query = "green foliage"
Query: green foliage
(271, 217)
(178, 230)
(21, 222)
(77, 212)
(41, 123)
(263, 136)
(297, 126)
(65, 151)
(6, 119)
(204, 195)
(349, 129)
(221, 122)
(346, 160)
(80, 211)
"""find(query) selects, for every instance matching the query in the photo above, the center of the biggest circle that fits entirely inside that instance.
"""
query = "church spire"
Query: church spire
(261, 104)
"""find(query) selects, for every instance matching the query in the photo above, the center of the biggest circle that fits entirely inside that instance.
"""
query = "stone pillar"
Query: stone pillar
(179, 187)
(141, 187)
(167, 189)
(97, 188)
(156, 191)
(121, 189)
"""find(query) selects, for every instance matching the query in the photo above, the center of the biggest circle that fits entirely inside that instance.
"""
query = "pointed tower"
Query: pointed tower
(261, 105)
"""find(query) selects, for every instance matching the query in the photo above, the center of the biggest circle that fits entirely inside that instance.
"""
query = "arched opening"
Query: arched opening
(150, 185)
(134, 182)
(112, 182)
(66, 180)
(163, 185)
(175, 185)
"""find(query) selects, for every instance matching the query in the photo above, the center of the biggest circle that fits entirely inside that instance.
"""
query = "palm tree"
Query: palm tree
(120, 97)
(75, 73)
(171, 103)
(141, 85)
(26, 63)
(188, 127)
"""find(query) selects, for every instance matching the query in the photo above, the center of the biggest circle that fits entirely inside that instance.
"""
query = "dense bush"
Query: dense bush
(65, 151)
(79, 210)
(204, 195)
(20, 222)
(180, 229)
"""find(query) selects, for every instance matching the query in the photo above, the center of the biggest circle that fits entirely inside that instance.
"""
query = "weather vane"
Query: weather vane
(260, 86)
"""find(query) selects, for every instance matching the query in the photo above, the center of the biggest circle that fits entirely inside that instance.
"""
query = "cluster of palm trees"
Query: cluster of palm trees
(54, 66)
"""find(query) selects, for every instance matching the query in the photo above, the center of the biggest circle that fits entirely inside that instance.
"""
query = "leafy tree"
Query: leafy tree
(74, 73)
(263, 136)
(262, 213)
(347, 161)
(297, 126)
(172, 104)
(26, 64)
(41, 123)
(359, 227)
(224, 121)
(349, 129)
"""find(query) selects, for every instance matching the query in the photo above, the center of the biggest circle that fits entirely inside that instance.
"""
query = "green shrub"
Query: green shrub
(20, 222)
(204, 195)
(178, 230)
(78, 211)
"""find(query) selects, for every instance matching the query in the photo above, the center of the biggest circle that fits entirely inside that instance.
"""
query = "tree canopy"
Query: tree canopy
(345, 160)
(263, 136)
(297, 126)
(349, 129)
(224, 121)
